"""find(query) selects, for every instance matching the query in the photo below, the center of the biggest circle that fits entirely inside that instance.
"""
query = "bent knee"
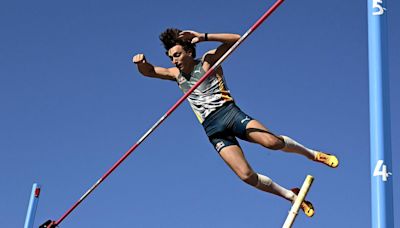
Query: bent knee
(266, 139)
(273, 142)
(278, 145)
(249, 177)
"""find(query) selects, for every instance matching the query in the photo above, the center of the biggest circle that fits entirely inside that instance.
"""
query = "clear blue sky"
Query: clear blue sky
(72, 103)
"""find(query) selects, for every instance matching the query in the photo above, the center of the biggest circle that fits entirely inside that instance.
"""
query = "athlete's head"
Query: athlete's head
(178, 50)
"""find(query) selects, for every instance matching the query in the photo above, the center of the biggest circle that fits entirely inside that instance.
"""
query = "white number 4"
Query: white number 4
(381, 170)
(376, 5)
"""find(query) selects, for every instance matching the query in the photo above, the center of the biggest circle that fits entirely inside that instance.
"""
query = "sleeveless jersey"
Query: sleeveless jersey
(211, 94)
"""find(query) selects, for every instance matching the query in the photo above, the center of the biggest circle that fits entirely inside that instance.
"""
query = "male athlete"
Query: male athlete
(216, 110)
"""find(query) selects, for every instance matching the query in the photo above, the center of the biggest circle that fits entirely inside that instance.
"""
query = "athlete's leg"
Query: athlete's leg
(234, 157)
(258, 133)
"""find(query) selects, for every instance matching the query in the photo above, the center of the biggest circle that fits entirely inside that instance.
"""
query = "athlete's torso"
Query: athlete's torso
(209, 95)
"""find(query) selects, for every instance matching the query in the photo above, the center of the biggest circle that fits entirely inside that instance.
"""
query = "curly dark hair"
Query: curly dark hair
(169, 38)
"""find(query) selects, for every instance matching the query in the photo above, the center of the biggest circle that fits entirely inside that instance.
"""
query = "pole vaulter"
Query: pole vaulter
(55, 223)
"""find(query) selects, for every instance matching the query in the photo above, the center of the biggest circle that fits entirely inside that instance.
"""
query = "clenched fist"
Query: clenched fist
(139, 58)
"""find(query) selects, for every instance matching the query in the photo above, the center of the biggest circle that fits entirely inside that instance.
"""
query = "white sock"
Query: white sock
(295, 147)
(267, 185)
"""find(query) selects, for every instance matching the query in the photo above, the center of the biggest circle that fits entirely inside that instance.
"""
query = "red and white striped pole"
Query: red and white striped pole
(208, 73)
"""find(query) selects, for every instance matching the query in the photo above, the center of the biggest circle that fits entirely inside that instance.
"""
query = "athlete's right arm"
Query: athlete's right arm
(149, 70)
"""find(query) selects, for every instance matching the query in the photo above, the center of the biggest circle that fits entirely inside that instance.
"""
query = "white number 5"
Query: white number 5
(381, 172)
(376, 5)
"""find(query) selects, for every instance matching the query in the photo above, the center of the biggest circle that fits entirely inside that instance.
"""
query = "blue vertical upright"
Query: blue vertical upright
(380, 139)
(33, 201)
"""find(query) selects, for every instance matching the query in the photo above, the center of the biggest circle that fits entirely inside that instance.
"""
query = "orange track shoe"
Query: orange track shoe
(306, 206)
(327, 159)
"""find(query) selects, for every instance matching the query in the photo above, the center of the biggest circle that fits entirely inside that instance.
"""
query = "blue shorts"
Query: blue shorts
(225, 124)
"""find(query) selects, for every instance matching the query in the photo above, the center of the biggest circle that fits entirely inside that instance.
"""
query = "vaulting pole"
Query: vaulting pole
(51, 224)
(380, 139)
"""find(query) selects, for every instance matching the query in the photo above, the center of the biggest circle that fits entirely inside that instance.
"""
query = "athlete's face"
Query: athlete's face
(180, 58)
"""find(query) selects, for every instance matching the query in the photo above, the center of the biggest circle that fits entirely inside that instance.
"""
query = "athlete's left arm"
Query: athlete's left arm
(227, 39)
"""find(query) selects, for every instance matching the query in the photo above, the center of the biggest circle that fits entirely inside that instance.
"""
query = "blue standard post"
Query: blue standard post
(380, 139)
(33, 202)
